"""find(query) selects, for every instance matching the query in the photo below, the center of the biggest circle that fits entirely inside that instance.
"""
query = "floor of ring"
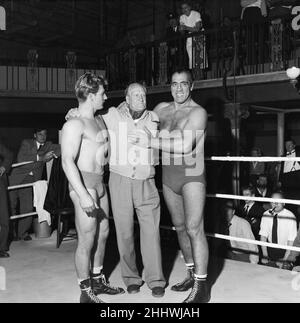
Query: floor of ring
(38, 272)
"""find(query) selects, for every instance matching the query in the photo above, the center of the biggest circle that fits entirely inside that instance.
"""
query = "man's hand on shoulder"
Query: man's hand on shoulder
(72, 113)
(160, 107)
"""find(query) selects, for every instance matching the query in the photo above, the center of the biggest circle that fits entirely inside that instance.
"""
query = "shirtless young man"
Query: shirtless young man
(84, 147)
(181, 139)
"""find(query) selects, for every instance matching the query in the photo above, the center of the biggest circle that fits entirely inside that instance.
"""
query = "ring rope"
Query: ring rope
(231, 238)
(20, 186)
(252, 159)
(254, 198)
(22, 215)
(21, 164)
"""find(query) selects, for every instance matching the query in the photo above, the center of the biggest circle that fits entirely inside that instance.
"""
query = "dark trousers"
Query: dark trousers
(25, 197)
(4, 214)
(276, 254)
(254, 32)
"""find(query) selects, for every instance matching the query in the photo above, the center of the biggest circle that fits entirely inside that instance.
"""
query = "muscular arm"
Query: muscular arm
(183, 141)
(70, 143)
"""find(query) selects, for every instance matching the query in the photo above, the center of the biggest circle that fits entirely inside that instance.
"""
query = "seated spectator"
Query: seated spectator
(289, 178)
(278, 225)
(251, 211)
(256, 168)
(6, 158)
(39, 151)
(262, 189)
(191, 22)
(240, 228)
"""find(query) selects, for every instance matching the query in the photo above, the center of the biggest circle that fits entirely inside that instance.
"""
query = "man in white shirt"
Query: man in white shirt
(240, 228)
(190, 21)
(278, 225)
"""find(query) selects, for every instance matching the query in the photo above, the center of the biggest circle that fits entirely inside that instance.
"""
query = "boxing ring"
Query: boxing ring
(235, 282)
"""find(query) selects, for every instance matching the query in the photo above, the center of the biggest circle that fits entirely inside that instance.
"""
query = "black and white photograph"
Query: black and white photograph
(149, 154)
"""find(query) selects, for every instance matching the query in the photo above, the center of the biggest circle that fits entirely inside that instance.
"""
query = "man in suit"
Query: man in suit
(251, 211)
(39, 151)
(262, 189)
(6, 158)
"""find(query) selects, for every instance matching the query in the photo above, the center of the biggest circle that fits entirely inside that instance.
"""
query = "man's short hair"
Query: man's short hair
(180, 70)
(36, 130)
(249, 188)
(134, 84)
(188, 2)
(290, 140)
(86, 84)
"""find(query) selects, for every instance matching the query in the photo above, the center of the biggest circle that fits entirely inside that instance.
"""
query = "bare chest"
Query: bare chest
(173, 120)
(95, 132)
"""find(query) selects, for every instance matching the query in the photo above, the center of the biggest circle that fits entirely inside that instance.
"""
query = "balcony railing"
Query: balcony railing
(40, 79)
(217, 53)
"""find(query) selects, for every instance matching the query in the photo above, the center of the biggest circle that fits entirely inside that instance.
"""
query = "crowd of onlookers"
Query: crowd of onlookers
(247, 38)
(274, 222)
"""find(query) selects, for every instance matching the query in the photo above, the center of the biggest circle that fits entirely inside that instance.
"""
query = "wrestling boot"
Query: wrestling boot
(87, 294)
(200, 293)
(101, 286)
(186, 284)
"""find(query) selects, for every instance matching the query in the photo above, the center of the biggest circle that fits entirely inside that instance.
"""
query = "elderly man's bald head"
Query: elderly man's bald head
(136, 97)
(131, 86)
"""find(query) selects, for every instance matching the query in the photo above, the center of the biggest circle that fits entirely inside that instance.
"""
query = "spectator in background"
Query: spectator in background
(278, 225)
(280, 15)
(240, 228)
(191, 22)
(256, 168)
(251, 211)
(175, 50)
(280, 8)
(262, 189)
(252, 18)
(289, 178)
(6, 158)
(39, 151)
